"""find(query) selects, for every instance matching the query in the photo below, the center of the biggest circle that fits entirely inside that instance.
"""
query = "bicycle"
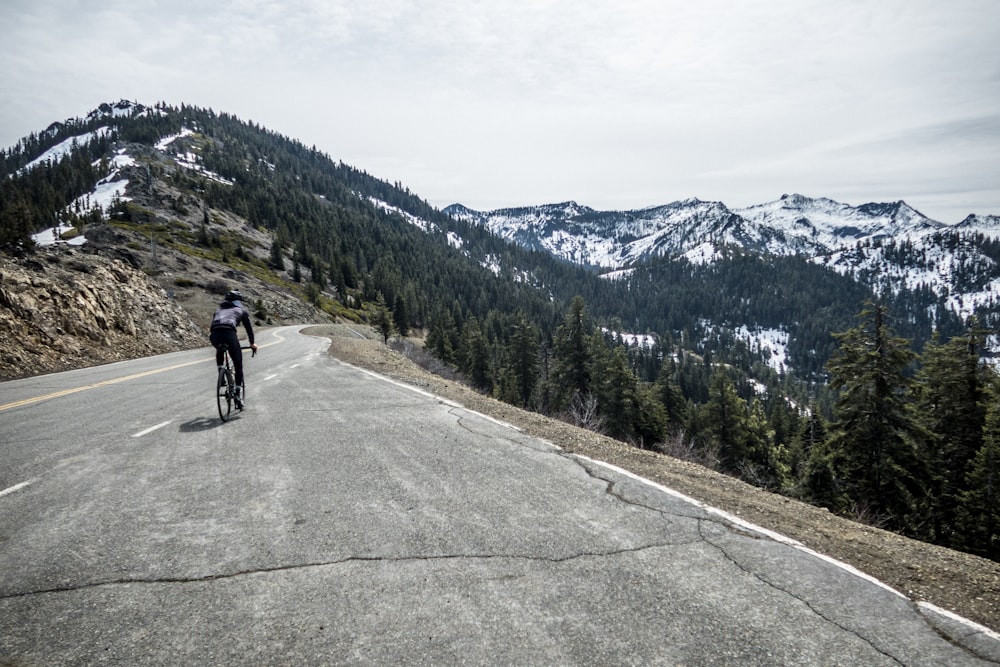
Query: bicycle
(225, 386)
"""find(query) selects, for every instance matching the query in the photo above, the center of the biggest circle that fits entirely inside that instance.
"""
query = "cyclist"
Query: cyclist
(229, 315)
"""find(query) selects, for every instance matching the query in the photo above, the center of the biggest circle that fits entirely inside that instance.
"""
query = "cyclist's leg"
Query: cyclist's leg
(215, 338)
(236, 354)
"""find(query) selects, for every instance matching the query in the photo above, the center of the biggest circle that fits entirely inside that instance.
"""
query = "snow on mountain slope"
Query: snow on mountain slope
(949, 263)
(886, 245)
(987, 225)
(615, 239)
(813, 226)
(55, 154)
(793, 224)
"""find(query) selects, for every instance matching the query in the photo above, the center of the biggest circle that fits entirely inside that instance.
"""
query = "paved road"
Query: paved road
(344, 519)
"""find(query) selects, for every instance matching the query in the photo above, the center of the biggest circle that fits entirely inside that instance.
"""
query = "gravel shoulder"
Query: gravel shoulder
(960, 583)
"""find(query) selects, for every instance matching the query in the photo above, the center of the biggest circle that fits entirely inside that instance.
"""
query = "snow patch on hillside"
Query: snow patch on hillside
(55, 154)
(773, 343)
(106, 192)
(416, 221)
(53, 235)
(165, 142)
(630, 339)
(621, 274)
(189, 159)
(705, 253)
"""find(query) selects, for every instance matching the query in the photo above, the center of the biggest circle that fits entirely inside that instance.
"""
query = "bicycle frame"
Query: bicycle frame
(225, 386)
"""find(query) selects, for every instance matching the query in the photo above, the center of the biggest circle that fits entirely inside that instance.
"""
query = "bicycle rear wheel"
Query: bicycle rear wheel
(224, 394)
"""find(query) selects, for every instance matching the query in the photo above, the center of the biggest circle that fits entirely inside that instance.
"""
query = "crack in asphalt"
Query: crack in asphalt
(551, 448)
(958, 642)
(592, 470)
(764, 580)
(332, 563)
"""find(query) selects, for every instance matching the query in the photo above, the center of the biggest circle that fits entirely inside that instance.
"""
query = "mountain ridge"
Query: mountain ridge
(849, 239)
(789, 225)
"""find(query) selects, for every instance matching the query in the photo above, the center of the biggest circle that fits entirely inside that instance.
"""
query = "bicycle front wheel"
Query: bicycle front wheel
(224, 394)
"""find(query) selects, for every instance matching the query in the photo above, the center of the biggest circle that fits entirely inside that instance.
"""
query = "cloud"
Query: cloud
(632, 102)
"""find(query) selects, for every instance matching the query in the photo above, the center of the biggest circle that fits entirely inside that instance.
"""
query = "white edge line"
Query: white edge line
(439, 399)
(401, 384)
(742, 523)
(927, 606)
(778, 537)
(149, 430)
(17, 486)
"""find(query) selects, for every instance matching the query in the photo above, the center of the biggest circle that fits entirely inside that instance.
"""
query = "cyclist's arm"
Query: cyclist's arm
(249, 327)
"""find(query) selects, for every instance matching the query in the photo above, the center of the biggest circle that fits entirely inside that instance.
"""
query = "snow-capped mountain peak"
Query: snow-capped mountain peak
(856, 240)
(793, 224)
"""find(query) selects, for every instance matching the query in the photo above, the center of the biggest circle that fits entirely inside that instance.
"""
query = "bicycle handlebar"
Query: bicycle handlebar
(247, 347)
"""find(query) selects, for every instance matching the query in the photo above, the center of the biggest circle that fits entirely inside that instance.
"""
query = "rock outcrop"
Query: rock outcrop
(61, 308)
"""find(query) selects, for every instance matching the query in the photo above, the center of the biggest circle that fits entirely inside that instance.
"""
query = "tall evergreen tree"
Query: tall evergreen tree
(275, 259)
(810, 437)
(523, 355)
(17, 220)
(572, 347)
(442, 336)
(950, 402)
(401, 315)
(725, 419)
(475, 355)
(670, 396)
(382, 318)
(874, 436)
(979, 512)
(615, 387)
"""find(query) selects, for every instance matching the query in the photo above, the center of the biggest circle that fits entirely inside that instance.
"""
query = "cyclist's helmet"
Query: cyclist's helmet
(234, 296)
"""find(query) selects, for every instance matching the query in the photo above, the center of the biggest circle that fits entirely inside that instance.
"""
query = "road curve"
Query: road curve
(347, 519)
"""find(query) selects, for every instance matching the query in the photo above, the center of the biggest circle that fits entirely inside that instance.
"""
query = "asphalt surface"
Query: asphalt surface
(346, 519)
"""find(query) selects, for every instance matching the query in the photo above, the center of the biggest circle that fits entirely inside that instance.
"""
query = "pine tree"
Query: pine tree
(872, 449)
(649, 424)
(443, 333)
(808, 439)
(275, 260)
(475, 356)
(979, 511)
(725, 418)
(401, 315)
(382, 318)
(615, 387)
(523, 360)
(670, 396)
(951, 406)
(572, 363)
(767, 464)
(15, 228)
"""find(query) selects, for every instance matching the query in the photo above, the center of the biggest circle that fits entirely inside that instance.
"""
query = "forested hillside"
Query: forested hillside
(890, 421)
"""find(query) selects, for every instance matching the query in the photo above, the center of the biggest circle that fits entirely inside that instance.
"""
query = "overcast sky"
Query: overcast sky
(616, 104)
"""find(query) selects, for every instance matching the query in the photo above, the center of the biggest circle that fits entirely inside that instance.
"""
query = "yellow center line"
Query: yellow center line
(105, 383)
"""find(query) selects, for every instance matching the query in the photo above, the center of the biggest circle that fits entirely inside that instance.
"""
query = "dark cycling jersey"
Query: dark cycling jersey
(230, 315)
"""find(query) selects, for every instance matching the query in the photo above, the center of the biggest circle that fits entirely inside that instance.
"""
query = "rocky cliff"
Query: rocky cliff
(61, 308)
